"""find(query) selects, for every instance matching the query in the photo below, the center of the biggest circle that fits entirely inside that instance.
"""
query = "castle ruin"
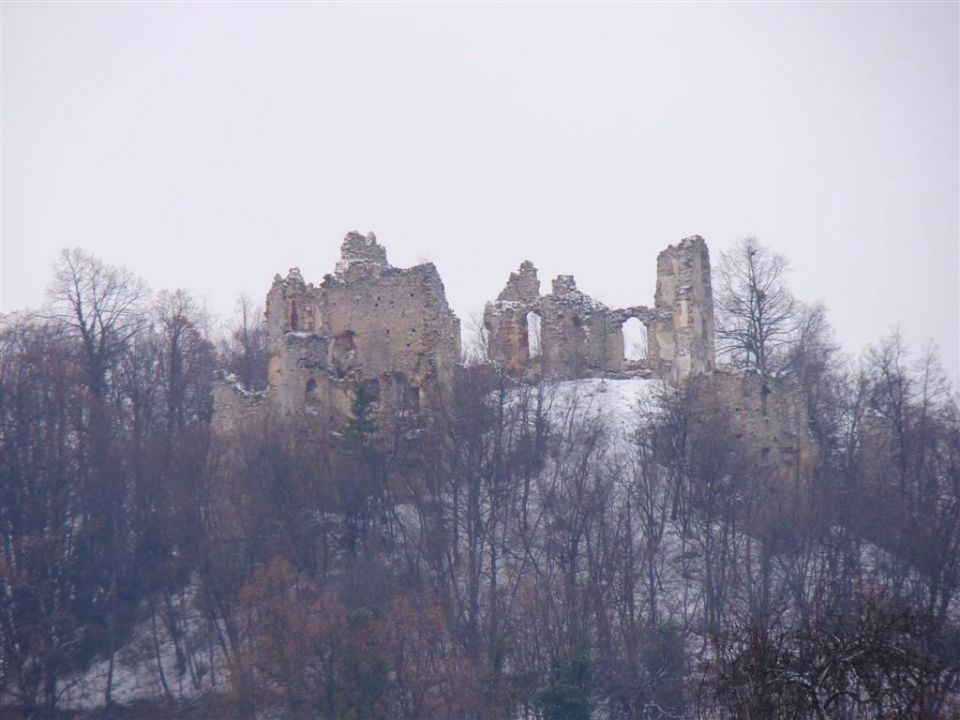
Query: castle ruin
(375, 338)
(579, 336)
(369, 334)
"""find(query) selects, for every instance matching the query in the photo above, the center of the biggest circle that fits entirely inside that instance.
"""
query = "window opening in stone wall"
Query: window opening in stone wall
(634, 340)
(344, 353)
(534, 323)
(310, 395)
(408, 396)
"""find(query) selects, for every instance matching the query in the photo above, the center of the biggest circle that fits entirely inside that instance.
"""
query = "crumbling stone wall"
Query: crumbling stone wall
(372, 338)
(578, 335)
(506, 323)
(369, 333)
(581, 336)
(372, 333)
(767, 414)
(683, 341)
(236, 407)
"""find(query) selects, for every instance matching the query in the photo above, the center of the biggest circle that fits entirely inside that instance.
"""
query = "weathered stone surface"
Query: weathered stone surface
(768, 415)
(522, 286)
(361, 256)
(580, 336)
(371, 326)
(683, 344)
(235, 407)
(387, 335)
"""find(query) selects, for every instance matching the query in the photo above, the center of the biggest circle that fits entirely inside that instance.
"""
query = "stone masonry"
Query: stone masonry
(768, 415)
(375, 337)
(580, 336)
(370, 333)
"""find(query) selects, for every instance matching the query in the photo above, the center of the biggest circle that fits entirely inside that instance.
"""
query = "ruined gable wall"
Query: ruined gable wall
(574, 331)
(505, 320)
(291, 306)
(307, 380)
(507, 333)
(522, 286)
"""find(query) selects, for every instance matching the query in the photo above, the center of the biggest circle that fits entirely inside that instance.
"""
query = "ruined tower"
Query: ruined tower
(369, 334)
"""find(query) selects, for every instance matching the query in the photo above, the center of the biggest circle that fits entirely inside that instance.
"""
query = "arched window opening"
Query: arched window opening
(634, 341)
(533, 323)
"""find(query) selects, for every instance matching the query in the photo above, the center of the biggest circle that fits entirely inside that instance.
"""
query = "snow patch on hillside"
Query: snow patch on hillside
(191, 665)
(617, 402)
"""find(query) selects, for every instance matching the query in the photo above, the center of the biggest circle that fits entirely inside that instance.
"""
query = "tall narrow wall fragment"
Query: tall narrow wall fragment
(683, 343)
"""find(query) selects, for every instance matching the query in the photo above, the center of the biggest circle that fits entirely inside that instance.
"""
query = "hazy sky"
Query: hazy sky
(209, 146)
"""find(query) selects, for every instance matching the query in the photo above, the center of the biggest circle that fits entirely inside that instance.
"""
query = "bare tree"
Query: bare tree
(244, 351)
(185, 355)
(102, 304)
(40, 573)
(756, 313)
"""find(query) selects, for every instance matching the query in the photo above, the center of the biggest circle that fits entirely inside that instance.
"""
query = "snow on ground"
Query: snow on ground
(135, 675)
(614, 401)
(678, 571)
(611, 398)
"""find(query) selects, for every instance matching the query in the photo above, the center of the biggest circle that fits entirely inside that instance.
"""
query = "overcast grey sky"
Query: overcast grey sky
(208, 146)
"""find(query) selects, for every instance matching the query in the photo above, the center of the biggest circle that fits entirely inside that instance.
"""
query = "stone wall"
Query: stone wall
(369, 333)
(385, 338)
(682, 344)
(768, 415)
(235, 407)
(581, 336)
